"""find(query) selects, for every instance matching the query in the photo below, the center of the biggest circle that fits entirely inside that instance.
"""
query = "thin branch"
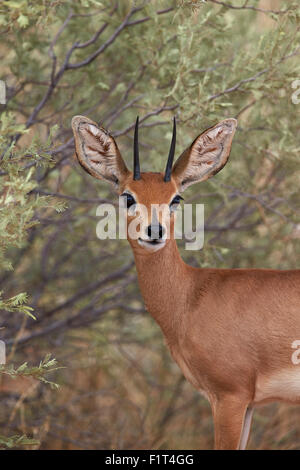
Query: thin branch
(70, 198)
(90, 288)
(246, 7)
(147, 18)
(104, 46)
(151, 113)
(254, 77)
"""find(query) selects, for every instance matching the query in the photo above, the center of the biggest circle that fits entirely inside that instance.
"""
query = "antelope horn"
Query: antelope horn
(136, 158)
(171, 154)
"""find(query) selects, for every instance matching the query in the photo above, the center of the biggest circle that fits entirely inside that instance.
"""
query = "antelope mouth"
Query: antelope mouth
(153, 245)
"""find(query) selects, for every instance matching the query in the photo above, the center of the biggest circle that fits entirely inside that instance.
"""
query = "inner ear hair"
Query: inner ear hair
(206, 156)
(97, 151)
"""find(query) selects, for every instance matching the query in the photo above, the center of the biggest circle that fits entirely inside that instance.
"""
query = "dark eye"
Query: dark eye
(129, 200)
(176, 200)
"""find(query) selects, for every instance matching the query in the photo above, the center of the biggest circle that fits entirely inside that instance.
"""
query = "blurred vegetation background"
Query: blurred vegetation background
(69, 296)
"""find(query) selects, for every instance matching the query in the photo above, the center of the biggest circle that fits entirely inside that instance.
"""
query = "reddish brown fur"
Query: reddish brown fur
(224, 327)
(230, 330)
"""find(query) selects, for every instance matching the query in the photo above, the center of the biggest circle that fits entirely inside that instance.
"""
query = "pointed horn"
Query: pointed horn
(171, 154)
(136, 158)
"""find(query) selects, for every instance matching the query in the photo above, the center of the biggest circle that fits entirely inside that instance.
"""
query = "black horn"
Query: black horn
(171, 154)
(136, 158)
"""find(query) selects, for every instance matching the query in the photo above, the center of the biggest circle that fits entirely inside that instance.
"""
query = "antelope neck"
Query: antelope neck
(161, 277)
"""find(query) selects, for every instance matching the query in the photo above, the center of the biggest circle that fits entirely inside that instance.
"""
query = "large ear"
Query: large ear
(207, 155)
(97, 151)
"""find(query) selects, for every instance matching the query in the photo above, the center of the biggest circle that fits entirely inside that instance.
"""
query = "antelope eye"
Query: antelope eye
(129, 200)
(176, 200)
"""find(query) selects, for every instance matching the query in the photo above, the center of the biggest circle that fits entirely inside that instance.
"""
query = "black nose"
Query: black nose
(155, 232)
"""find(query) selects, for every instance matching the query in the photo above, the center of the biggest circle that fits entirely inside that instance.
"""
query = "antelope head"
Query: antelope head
(151, 198)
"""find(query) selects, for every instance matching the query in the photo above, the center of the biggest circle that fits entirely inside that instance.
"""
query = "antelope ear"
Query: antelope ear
(207, 155)
(97, 151)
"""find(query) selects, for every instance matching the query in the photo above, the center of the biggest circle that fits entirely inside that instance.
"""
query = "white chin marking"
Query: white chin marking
(151, 246)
